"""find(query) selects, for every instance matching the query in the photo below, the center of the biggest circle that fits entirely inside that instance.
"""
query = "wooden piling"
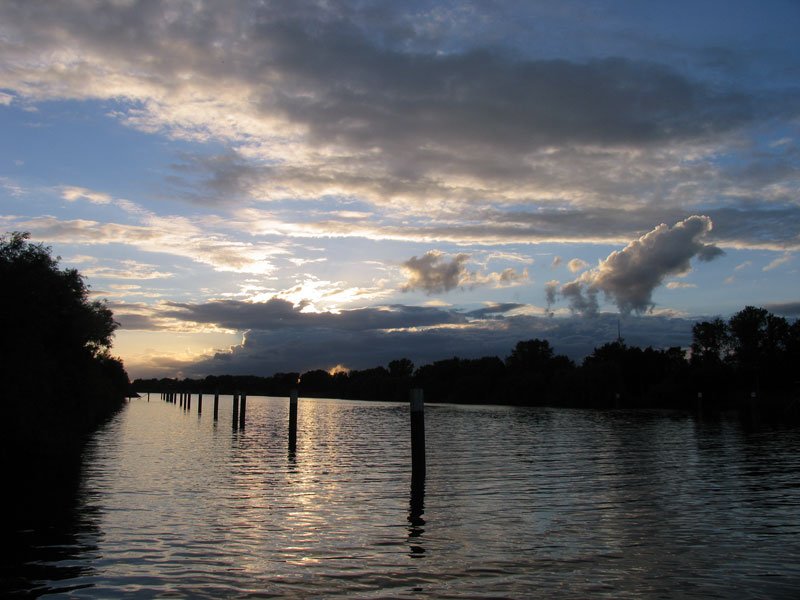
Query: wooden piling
(242, 410)
(292, 421)
(216, 405)
(188, 400)
(417, 402)
(235, 420)
(200, 403)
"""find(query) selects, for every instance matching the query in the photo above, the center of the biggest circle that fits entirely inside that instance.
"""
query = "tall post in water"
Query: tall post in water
(188, 400)
(200, 403)
(293, 421)
(242, 410)
(417, 401)
(216, 405)
(235, 420)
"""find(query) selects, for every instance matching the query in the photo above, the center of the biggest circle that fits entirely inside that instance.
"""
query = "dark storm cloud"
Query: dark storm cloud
(787, 309)
(279, 337)
(494, 310)
(302, 349)
(278, 314)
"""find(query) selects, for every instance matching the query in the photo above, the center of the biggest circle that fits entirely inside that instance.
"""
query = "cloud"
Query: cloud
(680, 285)
(11, 187)
(767, 227)
(129, 269)
(305, 347)
(781, 260)
(576, 264)
(505, 278)
(311, 101)
(73, 193)
(629, 276)
(434, 274)
(278, 314)
(788, 309)
(551, 292)
(321, 99)
(5, 99)
(173, 234)
(494, 310)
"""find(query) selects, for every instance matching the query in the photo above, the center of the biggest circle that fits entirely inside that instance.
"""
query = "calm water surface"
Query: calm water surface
(516, 503)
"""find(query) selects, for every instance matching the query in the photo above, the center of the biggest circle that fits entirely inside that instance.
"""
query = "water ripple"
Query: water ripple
(516, 503)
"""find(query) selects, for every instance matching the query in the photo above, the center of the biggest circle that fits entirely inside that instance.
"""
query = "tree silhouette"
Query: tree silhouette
(710, 342)
(57, 375)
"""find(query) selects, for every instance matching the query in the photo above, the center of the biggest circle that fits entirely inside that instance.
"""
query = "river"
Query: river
(517, 502)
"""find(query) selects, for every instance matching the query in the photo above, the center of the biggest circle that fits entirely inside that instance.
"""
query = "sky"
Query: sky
(257, 187)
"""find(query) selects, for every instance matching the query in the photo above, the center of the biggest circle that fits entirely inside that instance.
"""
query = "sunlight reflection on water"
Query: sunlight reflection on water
(516, 503)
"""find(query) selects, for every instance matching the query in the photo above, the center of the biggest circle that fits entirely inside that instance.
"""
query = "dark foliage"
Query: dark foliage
(59, 380)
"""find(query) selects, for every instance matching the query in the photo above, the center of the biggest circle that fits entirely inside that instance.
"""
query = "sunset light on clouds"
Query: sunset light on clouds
(281, 186)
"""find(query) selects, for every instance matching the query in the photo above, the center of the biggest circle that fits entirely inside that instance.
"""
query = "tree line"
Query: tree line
(59, 380)
(752, 355)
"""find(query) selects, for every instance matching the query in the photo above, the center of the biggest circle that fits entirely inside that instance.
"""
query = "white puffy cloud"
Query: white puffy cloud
(576, 264)
(629, 276)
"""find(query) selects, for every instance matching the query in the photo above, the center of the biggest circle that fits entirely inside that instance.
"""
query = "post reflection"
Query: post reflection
(416, 508)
